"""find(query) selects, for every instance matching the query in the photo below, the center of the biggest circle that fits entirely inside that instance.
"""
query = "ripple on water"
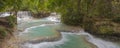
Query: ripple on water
(69, 40)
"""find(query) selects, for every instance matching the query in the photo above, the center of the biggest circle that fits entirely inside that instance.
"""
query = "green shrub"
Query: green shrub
(3, 32)
(72, 19)
(105, 29)
(89, 26)
(12, 21)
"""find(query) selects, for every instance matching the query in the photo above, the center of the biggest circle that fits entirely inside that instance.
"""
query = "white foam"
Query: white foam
(24, 19)
(24, 16)
(99, 42)
(96, 41)
(48, 44)
(27, 29)
(53, 18)
(5, 14)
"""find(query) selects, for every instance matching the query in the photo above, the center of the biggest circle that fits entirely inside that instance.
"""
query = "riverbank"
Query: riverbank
(55, 38)
(105, 28)
(7, 28)
(91, 44)
(11, 43)
(36, 25)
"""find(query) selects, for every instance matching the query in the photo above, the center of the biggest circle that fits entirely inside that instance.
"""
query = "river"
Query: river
(32, 31)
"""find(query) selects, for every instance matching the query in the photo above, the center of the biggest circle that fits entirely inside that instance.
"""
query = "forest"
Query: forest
(100, 18)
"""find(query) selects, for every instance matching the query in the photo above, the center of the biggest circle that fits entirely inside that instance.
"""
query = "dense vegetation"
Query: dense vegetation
(95, 16)
(3, 32)
(99, 17)
(7, 27)
(12, 21)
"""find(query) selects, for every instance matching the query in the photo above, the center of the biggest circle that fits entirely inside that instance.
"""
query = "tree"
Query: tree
(104, 8)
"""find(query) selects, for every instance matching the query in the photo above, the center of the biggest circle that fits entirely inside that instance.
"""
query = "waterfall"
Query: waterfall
(100, 43)
(4, 14)
(24, 16)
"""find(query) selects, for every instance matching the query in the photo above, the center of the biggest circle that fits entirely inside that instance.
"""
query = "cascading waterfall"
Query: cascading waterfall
(23, 16)
(5, 14)
(99, 42)
(68, 40)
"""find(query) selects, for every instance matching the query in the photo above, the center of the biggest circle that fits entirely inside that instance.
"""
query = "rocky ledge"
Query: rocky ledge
(7, 27)
(105, 29)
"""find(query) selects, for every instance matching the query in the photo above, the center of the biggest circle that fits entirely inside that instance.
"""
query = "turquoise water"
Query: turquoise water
(47, 28)
(40, 31)
(74, 41)
(68, 41)
(28, 24)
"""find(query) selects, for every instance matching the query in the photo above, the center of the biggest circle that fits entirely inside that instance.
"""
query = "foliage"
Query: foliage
(34, 6)
(10, 5)
(12, 21)
(3, 32)
(105, 30)
(116, 7)
(68, 10)
(73, 12)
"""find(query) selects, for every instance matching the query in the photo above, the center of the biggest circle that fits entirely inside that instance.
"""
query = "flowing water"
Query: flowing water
(37, 29)
(4, 14)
